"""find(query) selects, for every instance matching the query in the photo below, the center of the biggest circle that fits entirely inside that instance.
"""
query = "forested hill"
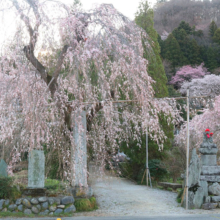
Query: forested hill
(192, 34)
(168, 14)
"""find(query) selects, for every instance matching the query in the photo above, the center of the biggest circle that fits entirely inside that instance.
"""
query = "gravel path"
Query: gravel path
(120, 197)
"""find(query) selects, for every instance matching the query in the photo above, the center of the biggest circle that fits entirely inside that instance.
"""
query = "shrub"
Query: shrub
(85, 204)
(157, 169)
(7, 189)
(179, 196)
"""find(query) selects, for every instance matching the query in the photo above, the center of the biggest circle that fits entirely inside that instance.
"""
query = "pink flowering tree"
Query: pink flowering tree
(210, 118)
(207, 86)
(187, 73)
(62, 61)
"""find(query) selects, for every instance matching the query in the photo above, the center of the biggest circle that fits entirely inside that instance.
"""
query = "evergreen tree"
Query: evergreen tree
(184, 43)
(179, 34)
(144, 19)
(173, 52)
(190, 49)
(161, 44)
(212, 28)
(211, 63)
(194, 55)
(186, 27)
(216, 37)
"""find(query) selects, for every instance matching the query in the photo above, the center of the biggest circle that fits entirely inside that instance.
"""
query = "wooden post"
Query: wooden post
(187, 151)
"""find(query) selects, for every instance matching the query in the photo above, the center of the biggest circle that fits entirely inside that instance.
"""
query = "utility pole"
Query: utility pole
(187, 151)
(147, 168)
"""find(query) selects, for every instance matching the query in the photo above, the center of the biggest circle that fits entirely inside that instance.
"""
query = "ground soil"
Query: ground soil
(120, 197)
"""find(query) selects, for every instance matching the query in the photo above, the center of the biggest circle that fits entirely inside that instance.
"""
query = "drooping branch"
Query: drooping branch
(60, 62)
(92, 114)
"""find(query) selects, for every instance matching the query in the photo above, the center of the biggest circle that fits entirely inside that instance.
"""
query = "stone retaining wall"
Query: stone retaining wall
(39, 205)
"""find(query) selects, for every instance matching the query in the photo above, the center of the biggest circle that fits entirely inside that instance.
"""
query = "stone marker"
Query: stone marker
(79, 155)
(3, 169)
(36, 169)
(194, 170)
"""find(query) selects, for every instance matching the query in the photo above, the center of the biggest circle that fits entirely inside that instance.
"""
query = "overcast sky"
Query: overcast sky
(126, 7)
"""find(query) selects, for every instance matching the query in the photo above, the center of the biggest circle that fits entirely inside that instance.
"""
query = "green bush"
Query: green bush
(6, 188)
(157, 169)
(85, 204)
(179, 196)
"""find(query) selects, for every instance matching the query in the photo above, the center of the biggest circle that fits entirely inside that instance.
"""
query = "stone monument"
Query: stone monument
(36, 169)
(204, 175)
(36, 173)
(3, 169)
(79, 155)
(79, 184)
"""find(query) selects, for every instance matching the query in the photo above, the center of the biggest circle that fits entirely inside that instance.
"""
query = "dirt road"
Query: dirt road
(120, 197)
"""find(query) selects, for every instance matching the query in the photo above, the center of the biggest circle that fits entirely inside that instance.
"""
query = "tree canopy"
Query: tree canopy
(144, 19)
(94, 60)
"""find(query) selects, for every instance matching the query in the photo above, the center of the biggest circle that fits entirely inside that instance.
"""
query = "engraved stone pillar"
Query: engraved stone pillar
(3, 168)
(36, 169)
(79, 154)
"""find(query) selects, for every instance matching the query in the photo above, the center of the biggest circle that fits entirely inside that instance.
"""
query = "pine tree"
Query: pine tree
(216, 37)
(185, 26)
(184, 43)
(194, 55)
(144, 18)
(212, 28)
(173, 52)
(211, 63)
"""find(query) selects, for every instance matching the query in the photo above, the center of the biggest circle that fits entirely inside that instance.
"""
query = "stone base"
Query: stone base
(209, 160)
(210, 170)
(34, 192)
(81, 192)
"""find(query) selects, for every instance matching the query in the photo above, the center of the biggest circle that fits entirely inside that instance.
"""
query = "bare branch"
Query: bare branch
(29, 53)
(23, 17)
(38, 20)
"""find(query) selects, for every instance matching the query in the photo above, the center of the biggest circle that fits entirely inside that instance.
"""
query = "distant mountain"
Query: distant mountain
(168, 14)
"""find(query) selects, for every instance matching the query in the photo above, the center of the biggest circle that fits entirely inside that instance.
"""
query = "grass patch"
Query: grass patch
(84, 205)
(52, 184)
(179, 196)
(17, 214)
(169, 189)
(178, 200)
(160, 187)
(21, 214)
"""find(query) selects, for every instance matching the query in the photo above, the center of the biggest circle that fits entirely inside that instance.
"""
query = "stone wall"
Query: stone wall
(39, 205)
